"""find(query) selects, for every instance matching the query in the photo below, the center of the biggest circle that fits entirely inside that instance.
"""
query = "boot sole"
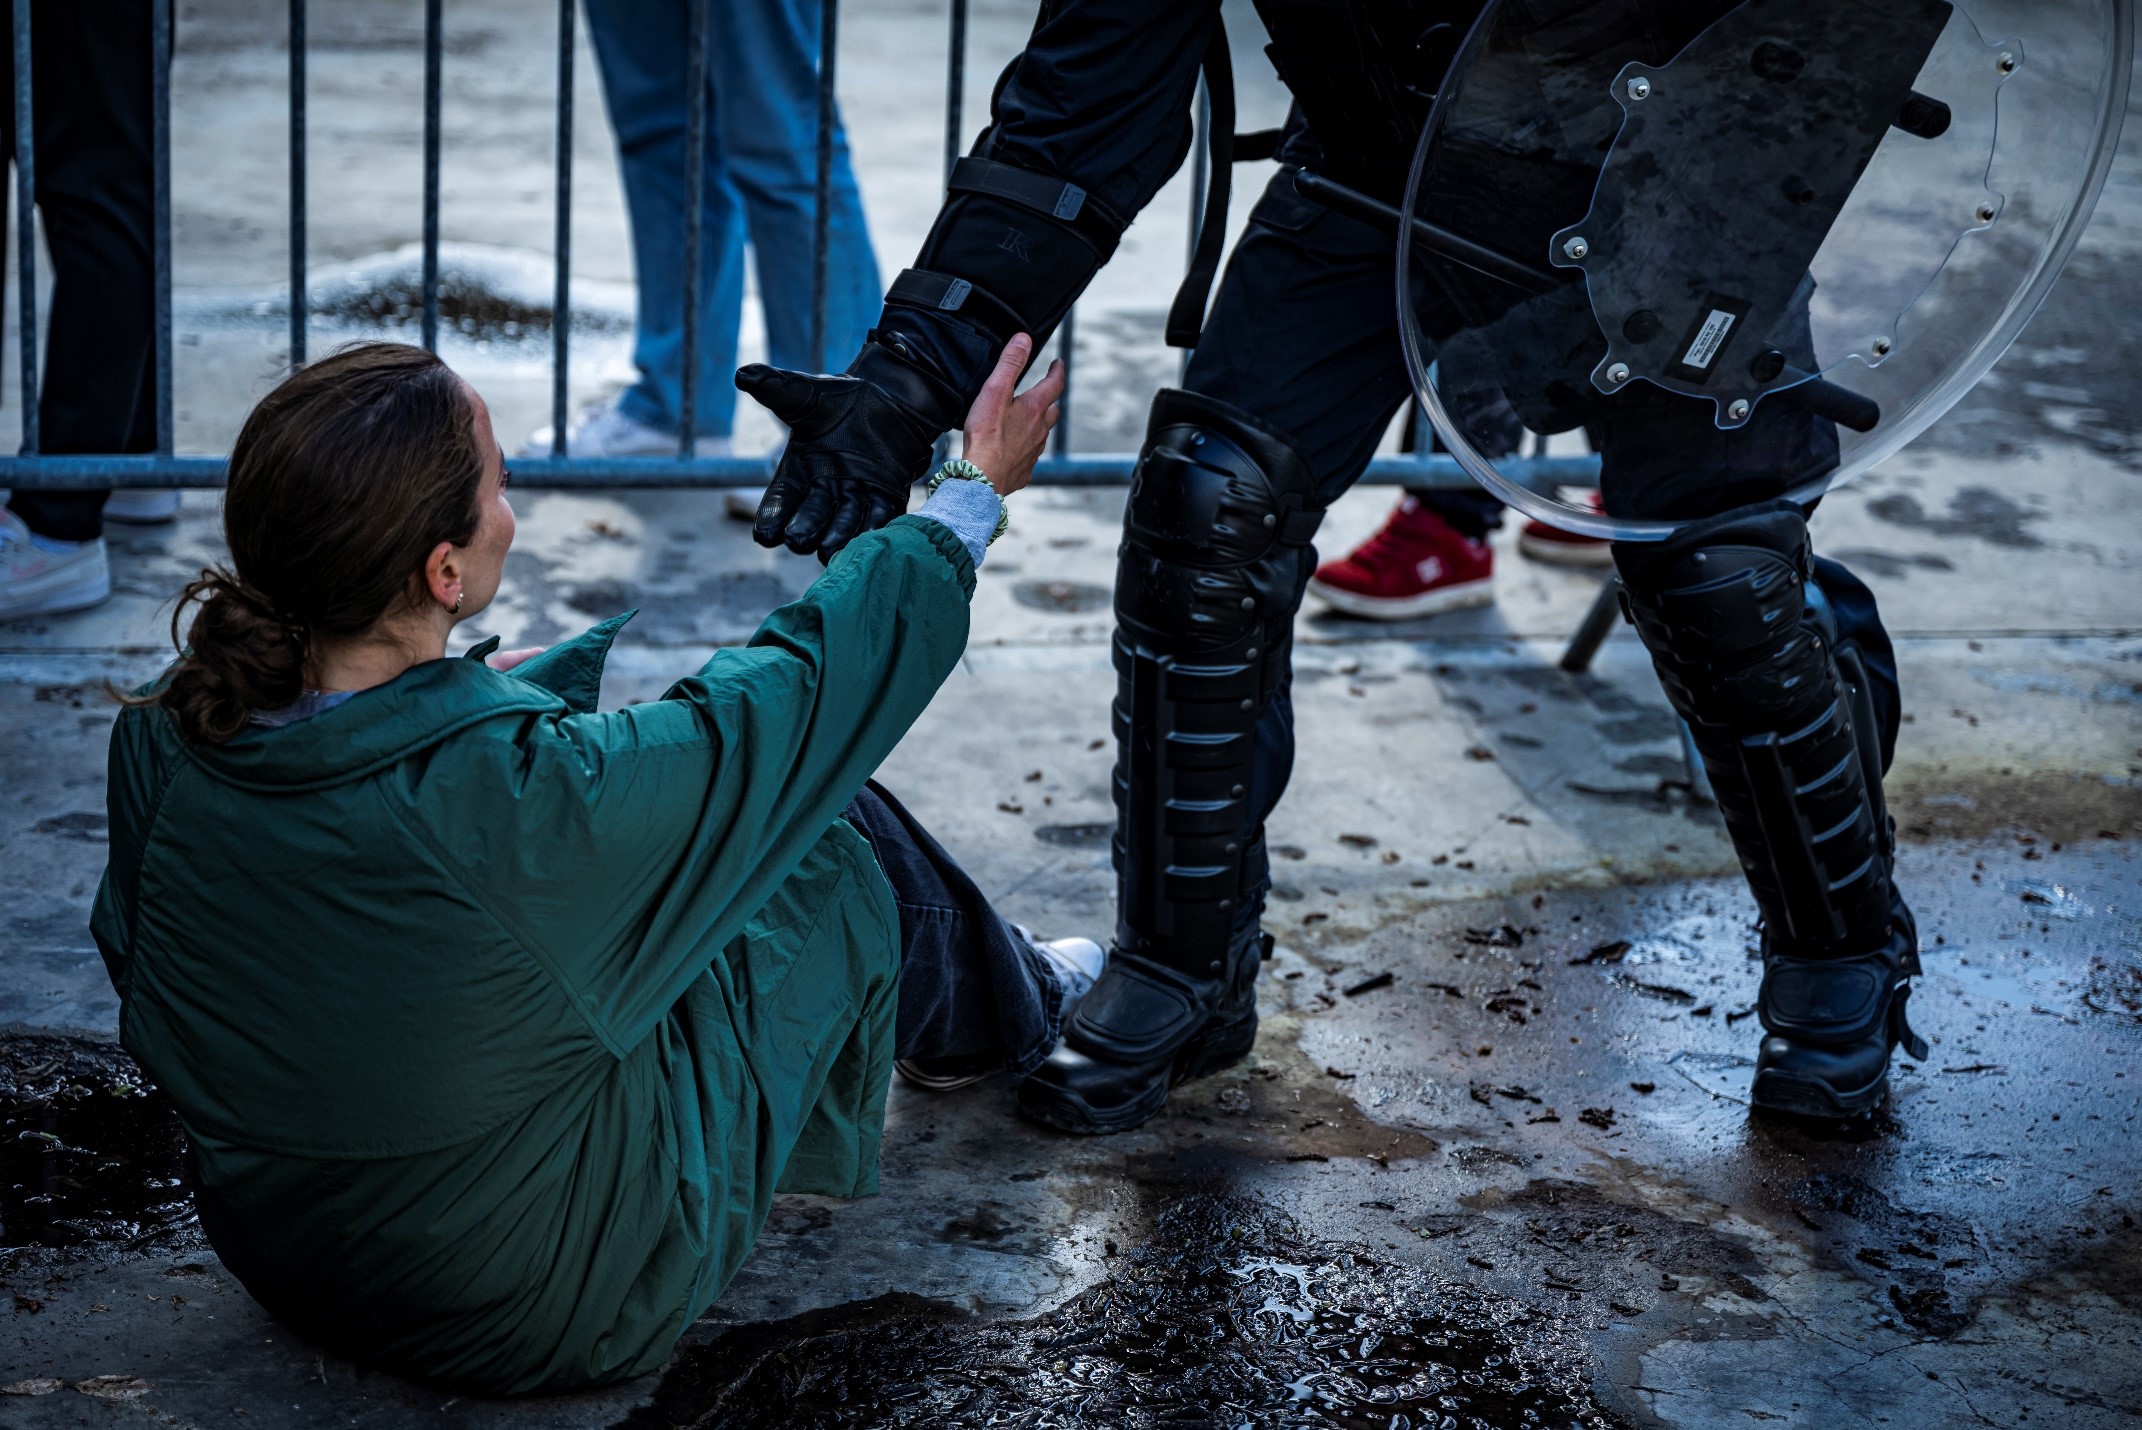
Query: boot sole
(1209, 1050)
(1806, 1097)
(1214, 1047)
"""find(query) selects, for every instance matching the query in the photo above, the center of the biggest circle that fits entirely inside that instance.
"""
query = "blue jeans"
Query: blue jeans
(761, 184)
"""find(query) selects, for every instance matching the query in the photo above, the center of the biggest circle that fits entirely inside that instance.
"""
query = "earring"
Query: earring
(455, 609)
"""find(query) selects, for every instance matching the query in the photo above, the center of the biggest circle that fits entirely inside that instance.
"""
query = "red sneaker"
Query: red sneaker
(1416, 566)
(1556, 547)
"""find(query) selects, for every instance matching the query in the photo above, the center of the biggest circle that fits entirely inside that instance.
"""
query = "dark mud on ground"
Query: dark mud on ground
(89, 1152)
(1229, 1315)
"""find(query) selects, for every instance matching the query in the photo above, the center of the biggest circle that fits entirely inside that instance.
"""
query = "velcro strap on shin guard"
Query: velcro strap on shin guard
(1900, 1029)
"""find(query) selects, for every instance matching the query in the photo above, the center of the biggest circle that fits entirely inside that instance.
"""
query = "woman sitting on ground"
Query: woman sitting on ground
(496, 1023)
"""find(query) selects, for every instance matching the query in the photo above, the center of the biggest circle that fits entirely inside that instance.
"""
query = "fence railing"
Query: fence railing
(34, 469)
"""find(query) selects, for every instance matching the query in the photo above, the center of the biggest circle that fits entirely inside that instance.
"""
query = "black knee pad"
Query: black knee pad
(1216, 546)
(1221, 509)
(1781, 717)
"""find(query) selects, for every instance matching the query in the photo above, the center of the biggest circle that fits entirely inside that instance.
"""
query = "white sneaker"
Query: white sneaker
(604, 431)
(145, 506)
(43, 578)
(1076, 962)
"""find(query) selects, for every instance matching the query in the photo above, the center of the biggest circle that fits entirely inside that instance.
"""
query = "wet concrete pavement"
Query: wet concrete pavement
(1491, 1158)
(1529, 1139)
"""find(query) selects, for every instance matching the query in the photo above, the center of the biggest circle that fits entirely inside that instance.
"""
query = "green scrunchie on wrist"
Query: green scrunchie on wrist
(962, 469)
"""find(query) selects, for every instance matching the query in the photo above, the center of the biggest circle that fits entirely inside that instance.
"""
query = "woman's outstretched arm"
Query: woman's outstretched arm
(645, 839)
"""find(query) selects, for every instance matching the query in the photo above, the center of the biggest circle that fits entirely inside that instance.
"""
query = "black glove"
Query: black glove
(854, 448)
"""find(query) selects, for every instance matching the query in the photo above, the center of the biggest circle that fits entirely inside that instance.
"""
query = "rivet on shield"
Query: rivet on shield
(1882, 346)
(2007, 62)
(1639, 88)
(1986, 213)
(1576, 248)
(1738, 412)
(1618, 373)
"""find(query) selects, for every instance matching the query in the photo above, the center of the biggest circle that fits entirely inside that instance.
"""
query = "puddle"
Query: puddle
(1725, 1075)
(1078, 836)
(1228, 1316)
(1974, 511)
(2115, 986)
(89, 1153)
(2049, 900)
(486, 292)
(1914, 1256)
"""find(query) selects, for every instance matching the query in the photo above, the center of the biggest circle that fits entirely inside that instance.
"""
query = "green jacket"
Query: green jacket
(495, 1022)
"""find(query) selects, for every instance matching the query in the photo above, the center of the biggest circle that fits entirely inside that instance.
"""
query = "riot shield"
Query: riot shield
(1747, 250)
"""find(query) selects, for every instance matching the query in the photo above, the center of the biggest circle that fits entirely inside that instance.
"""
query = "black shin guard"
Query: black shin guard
(1221, 510)
(1781, 716)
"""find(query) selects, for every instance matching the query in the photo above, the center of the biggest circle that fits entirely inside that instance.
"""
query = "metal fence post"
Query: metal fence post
(160, 123)
(26, 225)
(955, 105)
(561, 292)
(955, 85)
(300, 298)
(1066, 343)
(822, 213)
(434, 44)
(698, 56)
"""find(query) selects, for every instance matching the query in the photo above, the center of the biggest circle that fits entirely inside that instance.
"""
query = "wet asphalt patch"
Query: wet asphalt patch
(1229, 1315)
(90, 1154)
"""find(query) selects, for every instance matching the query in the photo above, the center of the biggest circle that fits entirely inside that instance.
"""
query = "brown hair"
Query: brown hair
(342, 481)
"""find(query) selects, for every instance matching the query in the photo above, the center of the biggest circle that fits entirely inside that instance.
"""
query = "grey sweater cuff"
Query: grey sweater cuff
(970, 509)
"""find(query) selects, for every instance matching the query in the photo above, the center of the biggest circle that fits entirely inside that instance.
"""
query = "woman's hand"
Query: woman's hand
(1006, 435)
(507, 659)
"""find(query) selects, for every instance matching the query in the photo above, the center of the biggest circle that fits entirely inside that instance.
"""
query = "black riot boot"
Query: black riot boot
(1780, 711)
(1215, 555)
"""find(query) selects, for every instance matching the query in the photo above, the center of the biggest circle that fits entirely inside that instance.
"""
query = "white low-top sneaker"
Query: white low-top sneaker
(43, 578)
(604, 431)
(1076, 962)
(144, 506)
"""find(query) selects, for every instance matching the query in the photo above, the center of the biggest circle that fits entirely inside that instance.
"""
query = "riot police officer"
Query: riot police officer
(1776, 659)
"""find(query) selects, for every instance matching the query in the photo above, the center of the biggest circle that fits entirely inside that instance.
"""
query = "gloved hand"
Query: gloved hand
(853, 452)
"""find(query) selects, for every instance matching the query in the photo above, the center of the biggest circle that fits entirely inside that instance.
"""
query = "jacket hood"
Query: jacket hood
(420, 707)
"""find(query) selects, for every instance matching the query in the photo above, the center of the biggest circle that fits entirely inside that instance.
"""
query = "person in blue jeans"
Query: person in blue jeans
(760, 188)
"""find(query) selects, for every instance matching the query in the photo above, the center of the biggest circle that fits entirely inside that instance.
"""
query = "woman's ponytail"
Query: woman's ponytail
(239, 656)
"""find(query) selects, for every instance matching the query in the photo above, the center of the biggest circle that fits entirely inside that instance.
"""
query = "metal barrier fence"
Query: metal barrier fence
(33, 469)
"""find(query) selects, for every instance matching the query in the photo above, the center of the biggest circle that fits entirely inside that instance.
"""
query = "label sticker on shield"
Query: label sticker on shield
(1717, 321)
